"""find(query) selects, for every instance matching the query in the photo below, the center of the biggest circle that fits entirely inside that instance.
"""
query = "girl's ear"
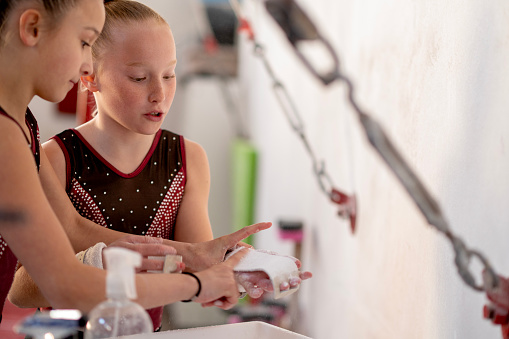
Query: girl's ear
(89, 82)
(30, 27)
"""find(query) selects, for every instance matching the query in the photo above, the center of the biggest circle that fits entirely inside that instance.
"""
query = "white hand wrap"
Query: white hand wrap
(92, 256)
(279, 268)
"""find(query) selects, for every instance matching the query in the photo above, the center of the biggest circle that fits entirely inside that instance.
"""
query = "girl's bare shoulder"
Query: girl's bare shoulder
(194, 151)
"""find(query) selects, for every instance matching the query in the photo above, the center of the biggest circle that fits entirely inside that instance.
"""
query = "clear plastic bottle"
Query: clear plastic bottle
(119, 316)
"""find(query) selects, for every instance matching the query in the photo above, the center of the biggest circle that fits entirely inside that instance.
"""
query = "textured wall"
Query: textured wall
(435, 74)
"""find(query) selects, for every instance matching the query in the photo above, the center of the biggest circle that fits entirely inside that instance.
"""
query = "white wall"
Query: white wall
(435, 74)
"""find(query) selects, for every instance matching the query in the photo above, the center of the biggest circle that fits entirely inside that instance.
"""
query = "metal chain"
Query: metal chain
(297, 26)
(292, 115)
(427, 204)
(347, 204)
(294, 119)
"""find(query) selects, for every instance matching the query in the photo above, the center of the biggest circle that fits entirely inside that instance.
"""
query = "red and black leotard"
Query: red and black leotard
(144, 202)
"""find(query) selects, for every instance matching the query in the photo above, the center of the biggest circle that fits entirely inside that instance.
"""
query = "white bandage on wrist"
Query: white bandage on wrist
(279, 268)
(170, 263)
(92, 256)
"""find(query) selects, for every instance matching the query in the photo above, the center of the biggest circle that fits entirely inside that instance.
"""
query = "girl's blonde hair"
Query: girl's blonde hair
(122, 12)
(56, 9)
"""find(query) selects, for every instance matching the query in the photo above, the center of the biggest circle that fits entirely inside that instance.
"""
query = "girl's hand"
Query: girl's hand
(146, 246)
(206, 254)
(256, 283)
(219, 287)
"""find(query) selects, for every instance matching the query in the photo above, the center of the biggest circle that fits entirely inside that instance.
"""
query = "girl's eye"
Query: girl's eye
(137, 79)
(169, 77)
(84, 44)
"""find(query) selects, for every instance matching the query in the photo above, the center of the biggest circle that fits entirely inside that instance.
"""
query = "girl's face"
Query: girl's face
(136, 77)
(65, 50)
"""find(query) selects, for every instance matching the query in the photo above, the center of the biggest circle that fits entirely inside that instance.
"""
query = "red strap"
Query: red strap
(210, 44)
(497, 310)
(244, 26)
(348, 206)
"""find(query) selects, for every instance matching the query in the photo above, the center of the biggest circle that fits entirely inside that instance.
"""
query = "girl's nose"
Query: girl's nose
(157, 92)
(87, 65)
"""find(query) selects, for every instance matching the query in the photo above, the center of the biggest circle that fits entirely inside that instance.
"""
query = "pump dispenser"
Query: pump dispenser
(118, 316)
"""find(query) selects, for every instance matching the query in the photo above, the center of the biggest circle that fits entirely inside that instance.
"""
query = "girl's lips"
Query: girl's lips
(153, 117)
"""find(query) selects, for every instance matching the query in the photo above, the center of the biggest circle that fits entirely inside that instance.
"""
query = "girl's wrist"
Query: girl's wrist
(197, 294)
(187, 252)
(92, 256)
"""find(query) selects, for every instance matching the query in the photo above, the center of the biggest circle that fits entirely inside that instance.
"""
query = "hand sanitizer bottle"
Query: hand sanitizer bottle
(118, 316)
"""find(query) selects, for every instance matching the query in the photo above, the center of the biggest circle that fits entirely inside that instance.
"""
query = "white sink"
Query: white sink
(246, 330)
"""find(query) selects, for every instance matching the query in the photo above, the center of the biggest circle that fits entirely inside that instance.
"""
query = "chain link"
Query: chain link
(295, 120)
(463, 258)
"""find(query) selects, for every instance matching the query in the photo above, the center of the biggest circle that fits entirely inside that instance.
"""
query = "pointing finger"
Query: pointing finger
(233, 238)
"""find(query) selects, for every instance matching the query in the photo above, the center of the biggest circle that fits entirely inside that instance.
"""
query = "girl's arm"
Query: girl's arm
(25, 293)
(193, 224)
